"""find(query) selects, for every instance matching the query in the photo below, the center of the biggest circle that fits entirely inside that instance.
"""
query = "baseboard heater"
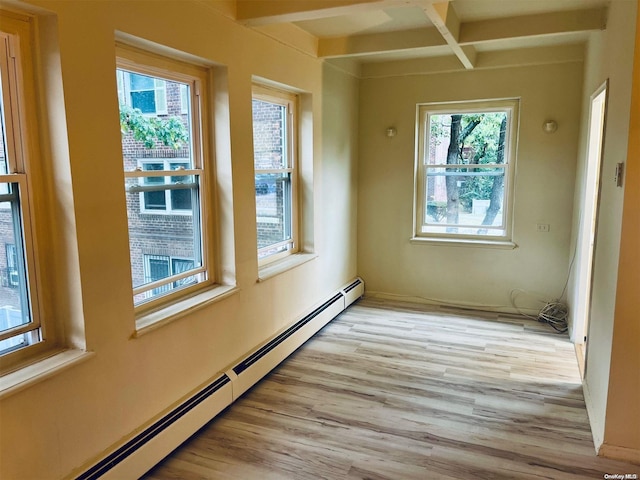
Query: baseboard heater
(254, 357)
(147, 448)
(142, 452)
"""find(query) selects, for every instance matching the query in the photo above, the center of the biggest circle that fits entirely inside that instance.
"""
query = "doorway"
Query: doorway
(589, 221)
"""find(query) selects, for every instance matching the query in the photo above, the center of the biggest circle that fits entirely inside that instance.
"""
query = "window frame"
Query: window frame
(291, 102)
(424, 111)
(16, 57)
(198, 78)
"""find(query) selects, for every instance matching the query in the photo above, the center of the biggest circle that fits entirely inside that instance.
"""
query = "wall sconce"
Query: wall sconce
(391, 132)
(550, 126)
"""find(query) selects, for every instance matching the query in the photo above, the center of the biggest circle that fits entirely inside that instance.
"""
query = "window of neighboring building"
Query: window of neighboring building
(165, 181)
(159, 267)
(20, 322)
(175, 202)
(275, 163)
(12, 273)
(144, 92)
(465, 167)
(184, 99)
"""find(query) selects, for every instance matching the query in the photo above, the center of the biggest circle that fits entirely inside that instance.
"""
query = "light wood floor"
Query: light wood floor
(402, 391)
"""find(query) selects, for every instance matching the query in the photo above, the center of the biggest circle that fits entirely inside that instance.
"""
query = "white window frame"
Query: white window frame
(159, 93)
(290, 101)
(15, 55)
(138, 61)
(424, 113)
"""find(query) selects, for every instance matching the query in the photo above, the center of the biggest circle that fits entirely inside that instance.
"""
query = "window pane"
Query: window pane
(181, 199)
(163, 130)
(175, 235)
(181, 265)
(145, 101)
(14, 301)
(269, 135)
(273, 209)
(154, 200)
(464, 196)
(477, 137)
(141, 82)
(158, 268)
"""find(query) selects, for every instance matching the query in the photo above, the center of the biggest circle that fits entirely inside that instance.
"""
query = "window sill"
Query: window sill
(40, 370)
(149, 321)
(280, 266)
(462, 242)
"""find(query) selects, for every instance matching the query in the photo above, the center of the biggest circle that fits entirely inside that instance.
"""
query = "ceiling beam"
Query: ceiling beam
(417, 66)
(379, 42)
(261, 12)
(446, 20)
(485, 60)
(533, 25)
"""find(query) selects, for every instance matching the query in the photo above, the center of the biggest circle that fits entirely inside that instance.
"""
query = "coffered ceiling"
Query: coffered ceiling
(436, 34)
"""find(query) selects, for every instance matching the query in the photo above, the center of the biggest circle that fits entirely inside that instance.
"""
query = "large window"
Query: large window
(465, 166)
(274, 147)
(20, 322)
(165, 177)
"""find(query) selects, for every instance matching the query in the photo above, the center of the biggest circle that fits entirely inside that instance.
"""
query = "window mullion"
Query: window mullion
(168, 280)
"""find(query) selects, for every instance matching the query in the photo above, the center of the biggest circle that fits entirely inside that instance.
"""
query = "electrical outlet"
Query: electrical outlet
(542, 227)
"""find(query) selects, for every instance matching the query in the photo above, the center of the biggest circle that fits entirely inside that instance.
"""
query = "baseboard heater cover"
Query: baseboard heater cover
(353, 285)
(132, 446)
(353, 291)
(265, 349)
(146, 449)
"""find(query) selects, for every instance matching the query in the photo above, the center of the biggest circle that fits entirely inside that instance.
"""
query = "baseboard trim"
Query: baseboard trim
(616, 452)
(505, 309)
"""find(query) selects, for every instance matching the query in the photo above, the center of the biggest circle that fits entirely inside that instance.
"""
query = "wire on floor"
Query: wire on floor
(554, 313)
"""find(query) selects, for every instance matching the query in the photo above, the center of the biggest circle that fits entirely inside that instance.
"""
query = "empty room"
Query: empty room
(300, 239)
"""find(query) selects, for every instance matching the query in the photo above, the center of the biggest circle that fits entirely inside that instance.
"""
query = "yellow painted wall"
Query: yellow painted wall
(79, 413)
(609, 56)
(461, 275)
(622, 432)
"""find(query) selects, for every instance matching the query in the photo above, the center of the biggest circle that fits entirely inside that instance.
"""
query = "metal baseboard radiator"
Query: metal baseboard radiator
(125, 462)
(264, 350)
(147, 448)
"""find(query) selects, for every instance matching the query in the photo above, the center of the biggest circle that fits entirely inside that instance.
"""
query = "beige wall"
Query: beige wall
(390, 264)
(79, 413)
(609, 56)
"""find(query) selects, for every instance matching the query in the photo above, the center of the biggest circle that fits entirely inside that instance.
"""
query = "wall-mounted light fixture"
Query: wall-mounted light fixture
(391, 132)
(550, 126)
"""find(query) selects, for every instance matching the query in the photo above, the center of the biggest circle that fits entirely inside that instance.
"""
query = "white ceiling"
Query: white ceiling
(475, 32)
(375, 21)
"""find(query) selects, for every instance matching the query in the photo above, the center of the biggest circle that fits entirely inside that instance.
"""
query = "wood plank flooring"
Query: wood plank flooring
(401, 391)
